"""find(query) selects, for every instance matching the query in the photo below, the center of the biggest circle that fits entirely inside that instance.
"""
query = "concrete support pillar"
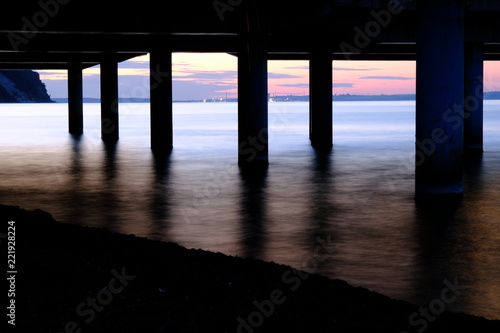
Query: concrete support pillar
(473, 101)
(440, 96)
(109, 101)
(75, 99)
(320, 100)
(161, 101)
(252, 96)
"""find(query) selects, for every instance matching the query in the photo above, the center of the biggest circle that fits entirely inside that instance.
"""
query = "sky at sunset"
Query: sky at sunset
(212, 75)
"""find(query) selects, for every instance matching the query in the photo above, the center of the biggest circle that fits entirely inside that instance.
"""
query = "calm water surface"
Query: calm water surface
(356, 201)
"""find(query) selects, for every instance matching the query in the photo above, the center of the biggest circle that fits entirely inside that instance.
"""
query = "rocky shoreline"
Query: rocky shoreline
(80, 279)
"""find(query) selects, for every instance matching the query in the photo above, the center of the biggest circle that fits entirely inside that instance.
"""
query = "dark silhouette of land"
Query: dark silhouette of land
(22, 86)
(492, 95)
(73, 278)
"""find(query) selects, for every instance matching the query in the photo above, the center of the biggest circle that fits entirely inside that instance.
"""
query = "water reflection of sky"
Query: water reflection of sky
(358, 199)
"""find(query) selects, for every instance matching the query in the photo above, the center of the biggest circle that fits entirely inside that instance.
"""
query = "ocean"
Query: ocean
(347, 215)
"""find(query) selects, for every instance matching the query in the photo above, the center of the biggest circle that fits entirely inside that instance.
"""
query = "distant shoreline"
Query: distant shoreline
(493, 95)
(290, 98)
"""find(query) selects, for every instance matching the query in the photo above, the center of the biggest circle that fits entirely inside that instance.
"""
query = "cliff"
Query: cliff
(22, 86)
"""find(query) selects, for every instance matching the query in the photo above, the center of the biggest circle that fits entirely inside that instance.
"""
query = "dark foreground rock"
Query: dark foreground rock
(79, 279)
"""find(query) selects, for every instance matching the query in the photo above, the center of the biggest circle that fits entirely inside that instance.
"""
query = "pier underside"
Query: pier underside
(448, 39)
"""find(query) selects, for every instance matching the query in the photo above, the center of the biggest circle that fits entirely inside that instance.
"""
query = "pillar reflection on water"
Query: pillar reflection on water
(443, 251)
(253, 211)
(108, 197)
(159, 204)
(73, 193)
(322, 211)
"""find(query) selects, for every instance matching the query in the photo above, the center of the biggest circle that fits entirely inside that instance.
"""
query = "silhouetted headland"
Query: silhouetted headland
(74, 278)
(22, 86)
